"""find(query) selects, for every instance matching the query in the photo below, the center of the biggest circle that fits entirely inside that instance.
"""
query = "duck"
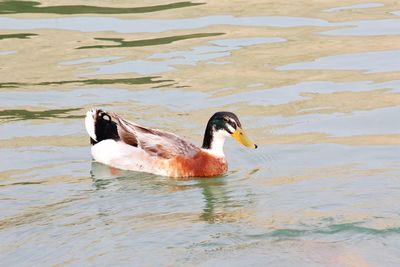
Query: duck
(123, 144)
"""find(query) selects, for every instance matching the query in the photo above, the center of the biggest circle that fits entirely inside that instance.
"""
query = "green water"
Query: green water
(15, 7)
(315, 85)
(148, 42)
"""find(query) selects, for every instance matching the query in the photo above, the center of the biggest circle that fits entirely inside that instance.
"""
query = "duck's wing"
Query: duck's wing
(155, 142)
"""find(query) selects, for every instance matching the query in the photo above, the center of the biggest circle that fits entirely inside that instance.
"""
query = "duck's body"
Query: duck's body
(125, 145)
(196, 162)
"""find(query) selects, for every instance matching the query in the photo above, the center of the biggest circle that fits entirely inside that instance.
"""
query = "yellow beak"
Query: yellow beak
(242, 138)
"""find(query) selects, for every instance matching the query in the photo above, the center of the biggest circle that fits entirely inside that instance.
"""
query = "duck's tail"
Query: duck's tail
(100, 126)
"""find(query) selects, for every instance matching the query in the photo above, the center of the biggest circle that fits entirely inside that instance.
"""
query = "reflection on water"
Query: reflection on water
(12, 7)
(218, 49)
(384, 61)
(357, 6)
(93, 24)
(148, 42)
(17, 36)
(367, 28)
(315, 84)
(5, 53)
(128, 81)
(218, 204)
(89, 60)
(20, 114)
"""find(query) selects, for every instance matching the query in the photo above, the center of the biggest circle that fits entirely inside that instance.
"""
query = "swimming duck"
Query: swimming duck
(123, 144)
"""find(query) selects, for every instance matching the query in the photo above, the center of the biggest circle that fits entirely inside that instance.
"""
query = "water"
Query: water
(316, 86)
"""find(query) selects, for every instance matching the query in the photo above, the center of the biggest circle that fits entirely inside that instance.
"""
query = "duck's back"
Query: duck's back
(153, 141)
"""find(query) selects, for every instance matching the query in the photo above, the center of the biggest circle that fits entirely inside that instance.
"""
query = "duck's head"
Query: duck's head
(100, 126)
(221, 125)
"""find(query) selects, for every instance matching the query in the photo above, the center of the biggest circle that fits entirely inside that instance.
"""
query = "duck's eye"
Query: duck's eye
(225, 119)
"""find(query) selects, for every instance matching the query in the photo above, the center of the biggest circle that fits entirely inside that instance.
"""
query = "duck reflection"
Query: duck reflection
(220, 202)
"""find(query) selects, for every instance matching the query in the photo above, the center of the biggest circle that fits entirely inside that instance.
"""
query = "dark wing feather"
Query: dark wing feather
(155, 142)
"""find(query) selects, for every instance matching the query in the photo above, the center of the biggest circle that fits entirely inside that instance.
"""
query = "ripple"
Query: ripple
(321, 190)
(6, 53)
(374, 122)
(27, 129)
(218, 49)
(99, 96)
(35, 156)
(367, 28)
(148, 42)
(357, 6)
(89, 60)
(376, 27)
(11, 7)
(22, 114)
(333, 229)
(296, 92)
(357, 228)
(369, 62)
(128, 81)
(97, 24)
(17, 36)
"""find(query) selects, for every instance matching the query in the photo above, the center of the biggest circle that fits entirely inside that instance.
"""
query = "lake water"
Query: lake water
(316, 85)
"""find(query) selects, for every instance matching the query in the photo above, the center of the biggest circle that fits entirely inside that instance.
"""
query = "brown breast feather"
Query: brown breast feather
(202, 164)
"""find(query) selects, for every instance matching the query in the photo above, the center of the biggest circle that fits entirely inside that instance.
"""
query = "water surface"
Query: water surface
(316, 85)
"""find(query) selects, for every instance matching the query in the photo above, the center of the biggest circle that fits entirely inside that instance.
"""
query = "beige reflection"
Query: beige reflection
(249, 65)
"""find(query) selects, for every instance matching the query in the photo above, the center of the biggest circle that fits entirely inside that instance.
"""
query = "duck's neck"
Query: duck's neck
(214, 141)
